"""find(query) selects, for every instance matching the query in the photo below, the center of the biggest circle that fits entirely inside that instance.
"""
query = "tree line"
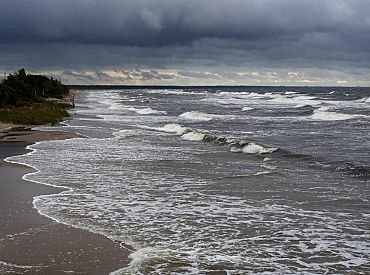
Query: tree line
(22, 89)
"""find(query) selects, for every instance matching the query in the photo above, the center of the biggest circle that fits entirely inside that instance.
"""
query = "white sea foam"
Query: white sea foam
(12, 268)
(175, 128)
(324, 113)
(290, 93)
(175, 92)
(115, 106)
(149, 111)
(268, 99)
(253, 148)
(269, 167)
(197, 116)
(236, 150)
(365, 99)
(116, 195)
(295, 100)
(263, 173)
(141, 111)
(151, 192)
(193, 136)
(300, 105)
(169, 128)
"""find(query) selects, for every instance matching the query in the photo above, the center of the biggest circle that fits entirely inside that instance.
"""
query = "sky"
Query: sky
(189, 42)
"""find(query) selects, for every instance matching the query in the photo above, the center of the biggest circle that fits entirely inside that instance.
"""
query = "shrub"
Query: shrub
(24, 99)
(36, 115)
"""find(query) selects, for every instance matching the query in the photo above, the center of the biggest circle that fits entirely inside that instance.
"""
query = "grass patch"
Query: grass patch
(37, 114)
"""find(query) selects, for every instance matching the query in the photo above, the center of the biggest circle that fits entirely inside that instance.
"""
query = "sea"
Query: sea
(216, 180)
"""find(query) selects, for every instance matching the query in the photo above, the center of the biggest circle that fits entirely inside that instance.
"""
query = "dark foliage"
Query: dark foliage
(32, 99)
(21, 89)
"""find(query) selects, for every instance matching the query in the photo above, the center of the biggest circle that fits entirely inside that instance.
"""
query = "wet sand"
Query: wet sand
(11, 132)
(33, 244)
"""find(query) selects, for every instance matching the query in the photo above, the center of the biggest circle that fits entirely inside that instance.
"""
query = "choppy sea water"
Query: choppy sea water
(238, 180)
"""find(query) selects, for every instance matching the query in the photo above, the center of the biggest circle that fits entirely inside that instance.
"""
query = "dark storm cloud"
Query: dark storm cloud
(204, 39)
(148, 23)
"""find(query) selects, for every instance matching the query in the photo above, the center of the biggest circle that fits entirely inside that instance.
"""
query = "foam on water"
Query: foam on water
(193, 207)
(290, 93)
(244, 109)
(140, 111)
(19, 266)
(114, 105)
(197, 116)
(271, 100)
(278, 100)
(301, 105)
(149, 111)
(324, 113)
(294, 100)
(92, 203)
(175, 92)
(190, 134)
(169, 128)
(193, 136)
(365, 99)
(11, 268)
(253, 148)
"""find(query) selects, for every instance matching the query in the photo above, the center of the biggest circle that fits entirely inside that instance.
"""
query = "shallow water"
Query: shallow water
(236, 180)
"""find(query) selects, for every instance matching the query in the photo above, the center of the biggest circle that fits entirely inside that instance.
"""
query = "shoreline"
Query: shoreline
(17, 133)
(32, 243)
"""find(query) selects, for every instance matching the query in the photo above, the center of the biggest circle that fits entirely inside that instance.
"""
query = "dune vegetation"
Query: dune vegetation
(33, 99)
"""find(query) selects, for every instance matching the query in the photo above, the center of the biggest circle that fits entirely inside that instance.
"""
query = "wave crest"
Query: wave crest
(149, 111)
(237, 145)
(324, 113)
(169, 128)
(197, 116)
(253, 148)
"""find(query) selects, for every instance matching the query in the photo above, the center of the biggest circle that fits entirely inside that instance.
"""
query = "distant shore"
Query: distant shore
(31, 243)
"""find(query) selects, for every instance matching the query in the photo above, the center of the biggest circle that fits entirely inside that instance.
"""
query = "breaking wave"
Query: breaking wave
(193, 136)
(236, 145)
(365, 99)
(253, 148)
(324, 113)
(149, 111)
(197, 116)
(174, 92)
(250, 147)
(169, 128)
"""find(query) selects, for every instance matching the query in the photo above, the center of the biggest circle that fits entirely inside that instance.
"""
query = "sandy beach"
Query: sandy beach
(12, 132)
(33, 244)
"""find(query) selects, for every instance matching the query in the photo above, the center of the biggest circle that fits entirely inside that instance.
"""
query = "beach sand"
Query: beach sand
(33, 244)
(11, 132)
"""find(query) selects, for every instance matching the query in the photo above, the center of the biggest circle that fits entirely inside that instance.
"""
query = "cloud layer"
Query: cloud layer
(185, 35)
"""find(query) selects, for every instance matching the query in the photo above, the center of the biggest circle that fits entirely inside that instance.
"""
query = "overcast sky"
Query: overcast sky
(189, 42)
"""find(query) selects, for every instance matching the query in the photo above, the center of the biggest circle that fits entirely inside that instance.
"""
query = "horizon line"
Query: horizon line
(82, 86)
